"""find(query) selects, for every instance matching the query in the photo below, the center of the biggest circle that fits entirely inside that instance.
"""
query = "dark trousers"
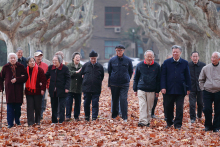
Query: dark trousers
(208, 99)
(58, 103)
(88, 97)
(193, 98)
(33, 106)
(154, 106)
(43, 104)
(122, 93)
(69, 104)
(164, 106)
(170, 100)
(13, 113)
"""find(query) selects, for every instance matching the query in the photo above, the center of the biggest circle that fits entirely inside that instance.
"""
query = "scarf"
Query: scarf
(13, 70)
(31, 82)
(150, 64)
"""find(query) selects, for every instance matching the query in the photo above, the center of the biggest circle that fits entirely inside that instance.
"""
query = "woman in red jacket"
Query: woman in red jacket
(35, 88)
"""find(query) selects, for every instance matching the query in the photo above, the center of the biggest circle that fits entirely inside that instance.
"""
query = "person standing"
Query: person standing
(195, 67)
(21, 59)
(209, 83)
(93, 74)
(14, 75)
(146, 85)
(120, 71)
(35, 88)
(75, 90)
(38, 55)
(62, 55)
(175, 84)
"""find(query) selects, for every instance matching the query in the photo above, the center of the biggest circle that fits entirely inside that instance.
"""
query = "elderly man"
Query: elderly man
(195, 67)
(120, 70)
(175, 84)
(38, 55)
(146, 85)
(21, 59)
(93, 74)
(209, 82)
(14, 75)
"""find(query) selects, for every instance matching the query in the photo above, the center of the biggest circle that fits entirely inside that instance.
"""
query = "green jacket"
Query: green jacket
(76, 78)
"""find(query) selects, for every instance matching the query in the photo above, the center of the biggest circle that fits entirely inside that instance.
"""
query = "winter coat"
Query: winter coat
(76, 78)
(14, 92)
(93, 76)
(147, 77)
(41, 78)
(23, 61)
(59, 79)
(120, 71)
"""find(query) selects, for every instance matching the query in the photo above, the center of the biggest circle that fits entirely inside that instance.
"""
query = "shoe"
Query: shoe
(94, 119)
(141, 124)
(177, 128)
(168, 126)
(67, 119)
(9, 126)
(153, 116)
(77, 119)
(41, 117)
(125, 120)
(193, 121)
(207, 129)
(87, 118)
(216, 130)
(18, 124)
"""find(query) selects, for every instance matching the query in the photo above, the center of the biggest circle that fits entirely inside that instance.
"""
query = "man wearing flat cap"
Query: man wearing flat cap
(120, 70)
(93, 74)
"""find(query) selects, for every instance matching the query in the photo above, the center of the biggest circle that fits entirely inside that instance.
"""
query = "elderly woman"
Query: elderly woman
(62, 55)
(14, 75)
(59, 87)
(35, 88)
(75, 90)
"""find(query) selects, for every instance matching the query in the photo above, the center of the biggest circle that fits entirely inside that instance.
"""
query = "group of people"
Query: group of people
(176, 78)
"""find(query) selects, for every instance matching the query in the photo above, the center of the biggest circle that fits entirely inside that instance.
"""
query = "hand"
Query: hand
(188, 92)
(42, 92)
(78, 70)
(157, 94)
(22, 75)
(135, 93)
(66, 90)
(40, 84)
(163, 91)
(82, 76)
(13, 80)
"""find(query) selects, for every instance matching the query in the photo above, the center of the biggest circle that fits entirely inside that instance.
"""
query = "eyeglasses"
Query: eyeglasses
(119, 50)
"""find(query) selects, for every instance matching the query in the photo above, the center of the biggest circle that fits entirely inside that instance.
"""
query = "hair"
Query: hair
(60, 53)
(29, 58)
(19, 49)
(194, 52)
(60, 59)
(176, 46)
(149, 51)
(217, 53)
(10, 54)
(76, 53)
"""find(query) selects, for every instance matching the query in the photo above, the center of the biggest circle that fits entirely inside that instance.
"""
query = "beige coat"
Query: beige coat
(209, 78)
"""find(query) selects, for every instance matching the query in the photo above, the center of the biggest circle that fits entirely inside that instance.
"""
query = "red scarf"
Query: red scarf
(31, 82)
(150, 64)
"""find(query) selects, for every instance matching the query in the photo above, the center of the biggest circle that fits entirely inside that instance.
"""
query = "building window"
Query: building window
(112, 16)
(110, 48)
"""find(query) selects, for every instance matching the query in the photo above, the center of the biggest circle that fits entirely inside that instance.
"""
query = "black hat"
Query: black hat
(120, 46)
(93, 54)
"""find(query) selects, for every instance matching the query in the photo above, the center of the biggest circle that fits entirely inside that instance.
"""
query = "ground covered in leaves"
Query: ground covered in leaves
(106, 131)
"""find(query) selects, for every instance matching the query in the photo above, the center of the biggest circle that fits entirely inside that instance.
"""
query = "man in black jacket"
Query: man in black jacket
(146, 85)
(21, 59)
(120, 70)
(195, 67)
(93, 74)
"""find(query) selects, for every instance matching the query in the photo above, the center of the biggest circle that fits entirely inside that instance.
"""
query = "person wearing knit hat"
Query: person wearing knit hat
(93, 74)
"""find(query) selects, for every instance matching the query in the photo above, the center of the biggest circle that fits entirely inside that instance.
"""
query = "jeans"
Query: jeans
(13, 113)
(119, 107)
(193, 98)
(69, 104)
(58, 103)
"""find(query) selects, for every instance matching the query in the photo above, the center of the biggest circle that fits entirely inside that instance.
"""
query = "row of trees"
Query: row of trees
(192, 24)
(48, 25)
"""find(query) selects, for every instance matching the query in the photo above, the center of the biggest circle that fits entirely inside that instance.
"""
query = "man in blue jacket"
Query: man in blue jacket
(175, 84)
(120, 70)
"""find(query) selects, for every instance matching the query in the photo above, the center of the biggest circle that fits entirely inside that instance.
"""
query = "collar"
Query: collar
(150, 64)
(121, 57)
(179, 60)
(215, 65)
(20, 58)
(39, 63)
(197, 64)
(90, 63)
(60, 67)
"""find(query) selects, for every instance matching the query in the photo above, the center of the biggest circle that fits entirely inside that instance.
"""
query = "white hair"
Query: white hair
(216, 53)
(149, 51)
(10, 54)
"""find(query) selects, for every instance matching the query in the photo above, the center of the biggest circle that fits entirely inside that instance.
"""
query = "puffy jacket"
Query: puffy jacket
(147, 77)
(92, 77)
(120, 71)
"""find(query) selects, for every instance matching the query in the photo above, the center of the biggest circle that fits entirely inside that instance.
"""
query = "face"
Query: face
(119, 52)
(76, 59)
(176, 53)
(19, 54)
(93, 60)
(12, 59)
(56, 62)
(149, 57)
(215, 59)
(38, 58)
(195, 58)
(31, 63)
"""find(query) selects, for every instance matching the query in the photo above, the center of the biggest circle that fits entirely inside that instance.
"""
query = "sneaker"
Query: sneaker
(193, 121)
(125, 120)
(9, 126)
